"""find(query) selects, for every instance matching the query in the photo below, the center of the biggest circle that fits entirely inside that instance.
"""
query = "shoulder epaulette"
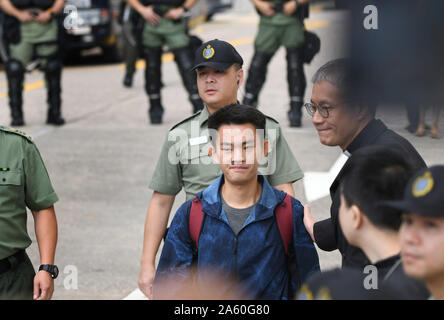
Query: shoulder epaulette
(18, 132)
(186, 119)
(272, 119)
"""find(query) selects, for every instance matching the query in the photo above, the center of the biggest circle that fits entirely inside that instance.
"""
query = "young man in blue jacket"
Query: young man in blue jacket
(239, 237)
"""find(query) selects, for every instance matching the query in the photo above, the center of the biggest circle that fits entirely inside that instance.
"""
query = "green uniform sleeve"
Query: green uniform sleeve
(39, 193)
(167, 176)
(282, 164)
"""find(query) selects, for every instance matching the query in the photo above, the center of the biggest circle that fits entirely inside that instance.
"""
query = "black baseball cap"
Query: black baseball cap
(216, 54)
(424, 194)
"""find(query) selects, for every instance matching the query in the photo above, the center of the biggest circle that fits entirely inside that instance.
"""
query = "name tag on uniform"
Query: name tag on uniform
(198, 140)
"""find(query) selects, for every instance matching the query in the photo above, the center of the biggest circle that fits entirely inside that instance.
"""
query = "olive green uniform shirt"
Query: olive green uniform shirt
(184, 161)
(24, 182)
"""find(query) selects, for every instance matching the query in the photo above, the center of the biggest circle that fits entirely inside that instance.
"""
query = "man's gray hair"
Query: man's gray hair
(336, 72)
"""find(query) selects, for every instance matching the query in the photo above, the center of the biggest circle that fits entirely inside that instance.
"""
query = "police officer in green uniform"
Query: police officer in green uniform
(24, 183)
(163, 26)
(184, 161)
(128, 18)
(281, 24)
(31, 31)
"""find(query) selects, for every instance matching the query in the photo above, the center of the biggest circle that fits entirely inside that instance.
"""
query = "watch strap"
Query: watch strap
(50, 268)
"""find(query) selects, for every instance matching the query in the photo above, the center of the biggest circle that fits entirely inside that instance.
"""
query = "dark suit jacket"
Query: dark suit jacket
(328, 233)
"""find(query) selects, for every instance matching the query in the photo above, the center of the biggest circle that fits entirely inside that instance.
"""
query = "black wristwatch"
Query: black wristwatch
(52, 269)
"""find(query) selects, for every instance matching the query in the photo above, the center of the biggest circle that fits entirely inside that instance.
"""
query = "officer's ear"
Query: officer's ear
(240, 77)
(357, 217)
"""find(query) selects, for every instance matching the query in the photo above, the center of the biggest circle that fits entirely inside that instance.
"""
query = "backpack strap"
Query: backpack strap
(196, 218)
(284, 219)
(283, 212)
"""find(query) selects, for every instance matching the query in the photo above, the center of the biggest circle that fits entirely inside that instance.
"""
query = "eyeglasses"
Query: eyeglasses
(324, 111)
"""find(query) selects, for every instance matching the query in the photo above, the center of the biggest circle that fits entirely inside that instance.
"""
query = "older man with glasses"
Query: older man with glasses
(343, 121)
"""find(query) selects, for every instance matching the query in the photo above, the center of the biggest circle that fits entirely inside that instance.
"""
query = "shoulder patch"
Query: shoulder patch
(18, 132)
(186, 119)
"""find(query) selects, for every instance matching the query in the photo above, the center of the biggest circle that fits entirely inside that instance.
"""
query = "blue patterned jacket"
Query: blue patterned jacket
(255, 258)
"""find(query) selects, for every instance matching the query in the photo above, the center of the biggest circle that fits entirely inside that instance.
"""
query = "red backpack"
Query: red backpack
(283, 213)
(284, 219)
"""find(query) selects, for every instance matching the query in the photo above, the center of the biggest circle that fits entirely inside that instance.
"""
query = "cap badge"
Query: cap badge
(208, 52)
(423, 185)
(305, 293)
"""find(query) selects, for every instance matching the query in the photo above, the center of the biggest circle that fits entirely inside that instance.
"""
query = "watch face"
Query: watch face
(55, 272)
(52, 269)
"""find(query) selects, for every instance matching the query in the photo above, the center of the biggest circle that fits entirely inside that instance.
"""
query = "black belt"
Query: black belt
(7, 263)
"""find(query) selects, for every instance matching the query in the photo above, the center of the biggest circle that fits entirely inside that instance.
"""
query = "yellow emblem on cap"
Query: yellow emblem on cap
(305, 293)
(208, 52)
(423, 185)
(323, 294)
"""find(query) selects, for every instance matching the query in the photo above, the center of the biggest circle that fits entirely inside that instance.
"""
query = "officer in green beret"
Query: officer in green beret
(281, 24)
(31, 32)
(24, 183)
(164, 26)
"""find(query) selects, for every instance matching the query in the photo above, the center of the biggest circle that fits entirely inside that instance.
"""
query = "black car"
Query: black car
(90, 25)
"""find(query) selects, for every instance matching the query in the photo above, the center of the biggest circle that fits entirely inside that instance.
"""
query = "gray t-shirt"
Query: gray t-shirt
(236, 217)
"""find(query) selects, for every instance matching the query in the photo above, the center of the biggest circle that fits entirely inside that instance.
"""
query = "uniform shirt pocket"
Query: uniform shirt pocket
(12, 191)
(12, 177)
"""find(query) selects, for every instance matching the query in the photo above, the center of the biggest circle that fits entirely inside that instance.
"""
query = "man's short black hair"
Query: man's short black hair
(374, 174)
(236, 114)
